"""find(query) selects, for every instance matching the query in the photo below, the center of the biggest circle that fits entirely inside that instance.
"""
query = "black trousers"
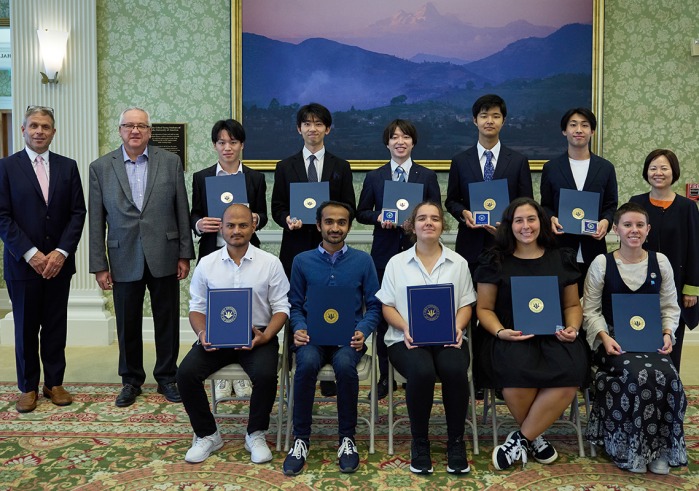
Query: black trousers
(40, 311)
(259, 363)
(128, 307)
(421, 367)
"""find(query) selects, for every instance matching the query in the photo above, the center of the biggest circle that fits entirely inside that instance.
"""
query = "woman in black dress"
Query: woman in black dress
(539, 375)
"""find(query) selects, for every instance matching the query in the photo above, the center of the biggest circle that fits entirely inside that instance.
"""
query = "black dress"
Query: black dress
(542, 361)
(639, 405)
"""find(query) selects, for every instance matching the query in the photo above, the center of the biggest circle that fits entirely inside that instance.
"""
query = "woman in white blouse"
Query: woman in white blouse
(639, 403)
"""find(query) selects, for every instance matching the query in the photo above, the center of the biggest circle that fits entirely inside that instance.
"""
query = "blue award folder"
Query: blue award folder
(305, 197)
(490, 196)
(536, 304)
(223, 191)
(330, 314)
(637, 322)
(402, 196)
(229, 317)
(431, 314)
(574, 206)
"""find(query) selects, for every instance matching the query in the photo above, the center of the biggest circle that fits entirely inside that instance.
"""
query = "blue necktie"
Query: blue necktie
(488, 170)
(400, 173)
(312, 172)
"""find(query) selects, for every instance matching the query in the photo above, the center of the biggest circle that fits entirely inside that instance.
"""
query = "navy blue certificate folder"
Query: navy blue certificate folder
(330, 314)
(402, 196)
(491, 196)
(574, 206)
(305, 197)
(637, 322)
(229, 317)
(431, 314)
(223, 191)
(536, 304)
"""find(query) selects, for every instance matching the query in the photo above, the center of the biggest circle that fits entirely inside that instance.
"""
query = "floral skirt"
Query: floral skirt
(638, 409)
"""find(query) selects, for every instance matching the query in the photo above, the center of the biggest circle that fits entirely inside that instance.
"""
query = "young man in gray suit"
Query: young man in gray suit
(138, 197)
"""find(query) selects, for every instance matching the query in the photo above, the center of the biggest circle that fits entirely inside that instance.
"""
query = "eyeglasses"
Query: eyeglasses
(132, 126)
(39, 108)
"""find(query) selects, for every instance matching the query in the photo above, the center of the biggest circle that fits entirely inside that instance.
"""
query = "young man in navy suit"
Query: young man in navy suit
(581, 170)
(312, 164)
(42, 213)
(400, 137)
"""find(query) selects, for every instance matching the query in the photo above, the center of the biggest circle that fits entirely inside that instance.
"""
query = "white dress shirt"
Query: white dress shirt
(320, 159)
(482, 158)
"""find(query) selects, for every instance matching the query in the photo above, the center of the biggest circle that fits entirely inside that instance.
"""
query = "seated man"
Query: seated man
(331, 264)
(237, 265)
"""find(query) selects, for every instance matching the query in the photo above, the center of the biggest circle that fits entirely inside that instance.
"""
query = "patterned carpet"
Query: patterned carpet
(93, 445)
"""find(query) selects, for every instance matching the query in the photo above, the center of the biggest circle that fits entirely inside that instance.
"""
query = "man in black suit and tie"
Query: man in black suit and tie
(581, 170)
(400, 137)
(312, 164)
(138, 200)
(42, 213)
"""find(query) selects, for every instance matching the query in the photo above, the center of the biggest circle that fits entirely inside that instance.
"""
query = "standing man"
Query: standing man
(312, 164)
(238, 265)
(330, 264)
(581, 170)
(42, 213)
(138, 198)
(400, 137)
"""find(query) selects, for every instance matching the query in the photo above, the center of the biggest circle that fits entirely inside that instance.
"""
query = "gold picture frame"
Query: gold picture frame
(437, 165)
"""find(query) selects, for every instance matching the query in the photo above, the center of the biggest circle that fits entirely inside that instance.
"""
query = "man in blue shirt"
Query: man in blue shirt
(331, 264)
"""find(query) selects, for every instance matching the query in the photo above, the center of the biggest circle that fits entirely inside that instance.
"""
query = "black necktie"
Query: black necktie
(312, 172)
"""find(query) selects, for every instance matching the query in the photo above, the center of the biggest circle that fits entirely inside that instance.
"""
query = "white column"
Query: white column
(74, 100)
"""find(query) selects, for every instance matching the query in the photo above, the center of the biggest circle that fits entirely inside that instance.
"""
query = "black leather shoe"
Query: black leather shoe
(382, 389)
(127, 396)
(170, 391)
(328, 388)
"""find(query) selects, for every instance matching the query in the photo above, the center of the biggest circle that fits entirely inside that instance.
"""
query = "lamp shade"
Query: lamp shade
(53, 49)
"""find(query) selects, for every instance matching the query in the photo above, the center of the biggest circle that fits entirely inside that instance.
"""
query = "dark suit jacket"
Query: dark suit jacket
(601, 178)
(466, 168)
(389, 242)
(159, 234)
(257, 199)
(293, 169)
(26, 220)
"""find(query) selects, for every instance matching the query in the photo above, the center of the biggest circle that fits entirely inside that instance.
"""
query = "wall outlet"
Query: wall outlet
(695, 47)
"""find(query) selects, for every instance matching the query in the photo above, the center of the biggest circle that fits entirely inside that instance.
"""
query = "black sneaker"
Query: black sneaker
(515, 448)
(382, 389)
(457, 462)
(420, 460)
(347, 456)
(328, 388)
(542, 450)
(296, 458)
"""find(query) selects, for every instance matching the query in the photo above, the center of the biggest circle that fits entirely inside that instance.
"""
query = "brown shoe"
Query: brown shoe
(26, 402)
(58, 395)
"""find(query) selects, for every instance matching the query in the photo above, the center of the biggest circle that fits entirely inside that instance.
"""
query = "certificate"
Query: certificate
(223, 191)
(637, 324)
(229, 317)
(305, 198)
(536, 304)
(574, 206)
(403, 196)
(489, 196)
(431, 314)
(330, 314)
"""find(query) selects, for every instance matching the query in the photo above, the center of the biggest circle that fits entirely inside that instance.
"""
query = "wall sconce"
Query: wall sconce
(53, 49)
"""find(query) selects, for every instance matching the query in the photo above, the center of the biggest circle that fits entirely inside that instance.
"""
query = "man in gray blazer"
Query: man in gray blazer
(140, 237)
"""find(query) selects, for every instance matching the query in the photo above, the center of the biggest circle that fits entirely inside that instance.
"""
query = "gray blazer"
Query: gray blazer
(159, 234)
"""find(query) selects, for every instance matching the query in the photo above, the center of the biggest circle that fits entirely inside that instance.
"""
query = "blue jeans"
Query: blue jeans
(309, 360)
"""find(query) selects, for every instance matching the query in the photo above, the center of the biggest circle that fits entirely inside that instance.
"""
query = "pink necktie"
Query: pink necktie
(42, 177)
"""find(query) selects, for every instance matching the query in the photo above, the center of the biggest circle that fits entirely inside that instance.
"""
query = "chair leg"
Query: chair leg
(474, 417)
(390, 409)
(588, 407)
(373, 402)
(575, 413)
(494, 416)
(290, 413)
(280, 407)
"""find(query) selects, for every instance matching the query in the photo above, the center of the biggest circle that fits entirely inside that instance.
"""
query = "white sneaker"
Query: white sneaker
(222, 388)
(242, 388)
(256, 444)
(659, 466)
(203, 447)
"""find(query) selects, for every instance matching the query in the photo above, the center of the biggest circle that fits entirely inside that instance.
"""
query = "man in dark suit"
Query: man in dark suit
(228, 138)
(581, 170)
(400, 137)
(138, 197)
(312, 164)
(485, 161)
(42, 213)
